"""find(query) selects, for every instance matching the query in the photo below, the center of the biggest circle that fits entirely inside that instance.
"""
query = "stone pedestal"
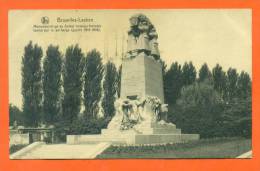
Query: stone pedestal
(141, 76)
(153, 134)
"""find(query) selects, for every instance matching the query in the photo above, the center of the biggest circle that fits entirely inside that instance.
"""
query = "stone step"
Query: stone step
(165, 138)
(161, 131)
(118, 132)
(156, 125)
(142, 130)
(83, 139)
(136, 139)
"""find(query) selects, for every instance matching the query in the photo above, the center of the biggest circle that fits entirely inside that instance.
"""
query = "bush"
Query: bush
(198, 110)
(91, 126)
(15, 148)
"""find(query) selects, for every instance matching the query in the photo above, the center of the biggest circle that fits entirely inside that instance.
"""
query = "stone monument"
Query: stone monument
(141, 114)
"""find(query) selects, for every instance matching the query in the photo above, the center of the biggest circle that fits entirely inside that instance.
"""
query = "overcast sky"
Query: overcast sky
(211, 36)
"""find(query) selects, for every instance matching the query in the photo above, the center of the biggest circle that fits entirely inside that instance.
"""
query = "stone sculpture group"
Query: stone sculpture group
(130, 113)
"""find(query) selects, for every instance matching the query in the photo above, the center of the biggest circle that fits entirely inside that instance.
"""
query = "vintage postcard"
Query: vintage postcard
(146, 83)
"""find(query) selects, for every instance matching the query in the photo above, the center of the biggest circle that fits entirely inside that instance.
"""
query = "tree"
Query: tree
(52, 66)
(188, 73)
(72, 78)
(32, 84)
(198, 110)
(173, 83)
(15, 115)
(244, 85)
(119, 74)
(164, 67)
(236, 119)
(232, 78)
(109, 88)
(92, 83)
(164, 71)
(219, 80)
(204, 73)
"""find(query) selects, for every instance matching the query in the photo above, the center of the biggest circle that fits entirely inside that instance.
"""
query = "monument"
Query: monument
(141, 115)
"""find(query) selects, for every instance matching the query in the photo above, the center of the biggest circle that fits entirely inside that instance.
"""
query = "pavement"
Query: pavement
(65, 151)
(246, 155)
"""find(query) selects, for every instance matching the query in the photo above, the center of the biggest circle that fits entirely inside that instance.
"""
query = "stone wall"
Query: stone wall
(16, 138)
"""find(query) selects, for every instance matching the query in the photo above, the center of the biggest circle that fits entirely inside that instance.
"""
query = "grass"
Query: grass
(204, 148)
(15, 148)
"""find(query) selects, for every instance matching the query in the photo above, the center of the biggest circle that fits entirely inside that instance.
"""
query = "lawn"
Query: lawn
(204, 148)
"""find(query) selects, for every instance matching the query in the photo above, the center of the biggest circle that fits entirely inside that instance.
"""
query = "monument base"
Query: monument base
(155, 134)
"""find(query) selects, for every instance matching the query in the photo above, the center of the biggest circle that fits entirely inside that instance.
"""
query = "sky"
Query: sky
(199, 35)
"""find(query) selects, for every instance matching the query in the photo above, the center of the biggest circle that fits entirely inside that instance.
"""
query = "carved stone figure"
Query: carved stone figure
(163, 112)
(142, 38)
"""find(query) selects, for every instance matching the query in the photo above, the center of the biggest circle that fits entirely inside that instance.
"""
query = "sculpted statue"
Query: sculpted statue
(130, 112)
(142, 38)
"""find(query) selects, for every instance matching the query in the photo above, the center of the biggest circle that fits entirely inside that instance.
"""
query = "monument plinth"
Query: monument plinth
(142, 77)
(141, 115)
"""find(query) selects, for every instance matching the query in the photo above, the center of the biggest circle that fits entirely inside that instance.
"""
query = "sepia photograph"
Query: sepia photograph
(130, 84)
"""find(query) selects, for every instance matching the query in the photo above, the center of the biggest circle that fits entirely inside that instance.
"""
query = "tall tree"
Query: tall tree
(204, 73)
(164, 71)
(232, 77)
(188, 73)
(15, 115)
(219, 80)
(244, 85)
(119, 74)
(164, 67)
(32, 84)
(51, 84)
(109, 89)
(72, 78)
(92, 83)
(173, 83)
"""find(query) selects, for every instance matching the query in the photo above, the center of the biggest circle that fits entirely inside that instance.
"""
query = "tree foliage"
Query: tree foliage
(32, 84)
(244, 85)
(236, 119)
(92, 83)
(119, 75)
(188, 74)
(109, 89)
(204, 73)
(72, 83)
(52, 66)
(173, 83)
(197, 109)
(232, 78)
(219, 80)
(15, 115)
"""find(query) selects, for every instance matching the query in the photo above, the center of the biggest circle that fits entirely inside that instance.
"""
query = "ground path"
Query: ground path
(65, 151)
(246, 155)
